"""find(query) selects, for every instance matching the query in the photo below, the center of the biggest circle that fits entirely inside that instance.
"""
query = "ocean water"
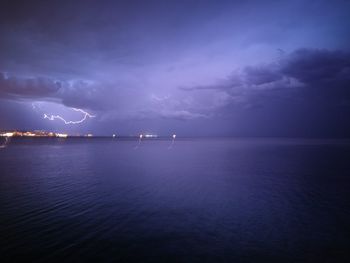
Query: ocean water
(201, 200)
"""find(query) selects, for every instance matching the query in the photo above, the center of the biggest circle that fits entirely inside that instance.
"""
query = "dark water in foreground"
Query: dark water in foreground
(224, 200)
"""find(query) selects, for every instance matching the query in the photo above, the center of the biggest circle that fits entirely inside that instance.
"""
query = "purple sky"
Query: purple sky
(239, 68)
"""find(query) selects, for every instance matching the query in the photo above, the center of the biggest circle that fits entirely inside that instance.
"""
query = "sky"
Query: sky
(194, 68)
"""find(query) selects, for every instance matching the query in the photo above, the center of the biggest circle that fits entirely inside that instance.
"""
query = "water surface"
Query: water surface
(202, 200)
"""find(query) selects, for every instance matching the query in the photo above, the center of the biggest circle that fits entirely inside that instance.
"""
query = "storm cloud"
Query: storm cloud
(245, 69)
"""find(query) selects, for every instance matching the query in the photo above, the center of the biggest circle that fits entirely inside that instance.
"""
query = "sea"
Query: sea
(191, 200)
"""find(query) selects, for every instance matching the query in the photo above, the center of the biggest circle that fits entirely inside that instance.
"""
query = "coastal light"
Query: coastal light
(7, 134)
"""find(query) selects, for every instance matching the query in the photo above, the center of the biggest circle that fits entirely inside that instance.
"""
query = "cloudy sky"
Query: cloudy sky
(221, 68)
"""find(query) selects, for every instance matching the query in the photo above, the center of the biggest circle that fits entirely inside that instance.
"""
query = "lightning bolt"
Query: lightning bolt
(58, 117)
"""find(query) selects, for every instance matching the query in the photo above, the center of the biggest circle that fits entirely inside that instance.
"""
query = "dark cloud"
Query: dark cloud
(233, 61)
(28, 87)
(308, 70)
(304, 78)
(324, 73)
(306, 92)
(312, 66)
(71, 94)
(261, 75)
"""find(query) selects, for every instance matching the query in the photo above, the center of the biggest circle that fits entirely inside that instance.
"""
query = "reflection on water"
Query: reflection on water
(214, 200)
(4, 141)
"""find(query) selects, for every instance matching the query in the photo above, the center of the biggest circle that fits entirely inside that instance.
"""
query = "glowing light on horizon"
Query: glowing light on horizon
(62, 135)
(172, 141)
(151, 135)
(140, 139)
(7, 134)
(58, 117)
